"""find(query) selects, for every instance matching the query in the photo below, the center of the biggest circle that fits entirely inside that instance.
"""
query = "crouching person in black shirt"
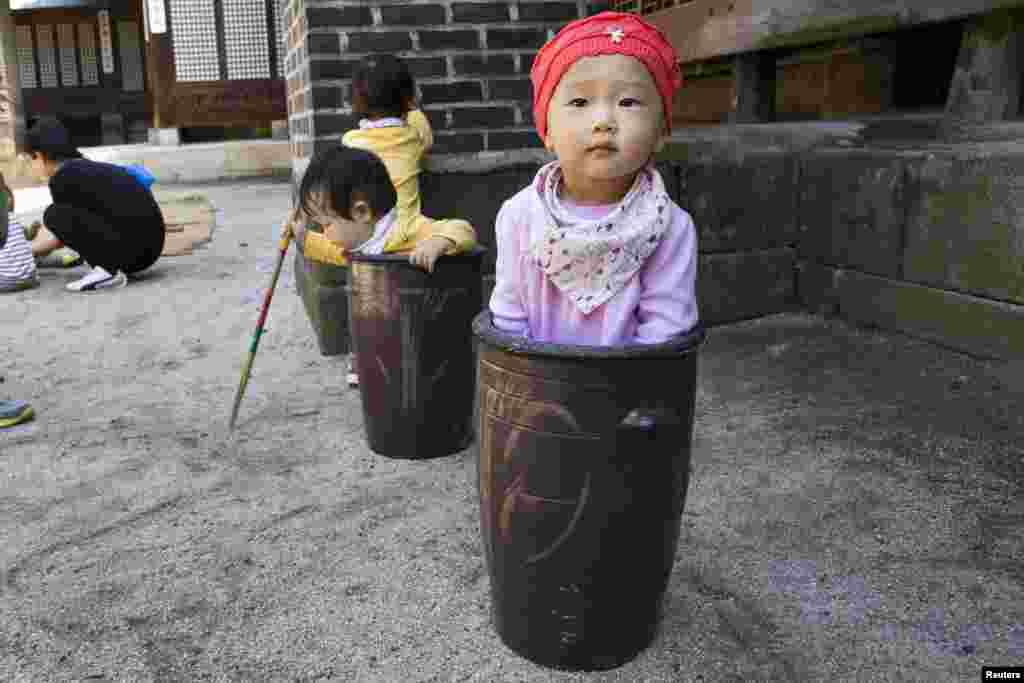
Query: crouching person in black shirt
(100, 210)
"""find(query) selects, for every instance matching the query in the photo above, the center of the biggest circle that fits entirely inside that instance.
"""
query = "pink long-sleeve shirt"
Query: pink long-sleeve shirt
(659, 302)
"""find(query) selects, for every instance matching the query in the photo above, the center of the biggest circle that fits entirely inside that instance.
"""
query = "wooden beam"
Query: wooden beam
(754, 78)
(705, 29)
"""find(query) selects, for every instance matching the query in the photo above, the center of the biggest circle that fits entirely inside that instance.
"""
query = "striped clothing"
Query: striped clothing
(17, 265)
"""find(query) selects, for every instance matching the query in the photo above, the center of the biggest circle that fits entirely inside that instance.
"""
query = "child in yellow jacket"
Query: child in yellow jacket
(383, 93)
(349, 193)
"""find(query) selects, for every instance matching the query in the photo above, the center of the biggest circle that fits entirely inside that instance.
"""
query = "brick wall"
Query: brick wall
(471, 61)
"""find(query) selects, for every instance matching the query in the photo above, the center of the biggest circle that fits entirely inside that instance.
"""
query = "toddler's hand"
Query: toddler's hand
(427, 252)
(293, 223)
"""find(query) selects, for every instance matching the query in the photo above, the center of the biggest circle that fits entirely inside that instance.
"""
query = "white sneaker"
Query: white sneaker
(98, 278)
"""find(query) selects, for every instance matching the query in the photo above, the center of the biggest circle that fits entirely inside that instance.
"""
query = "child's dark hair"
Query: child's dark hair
(384, 85)
(50, 138)
(341, 172)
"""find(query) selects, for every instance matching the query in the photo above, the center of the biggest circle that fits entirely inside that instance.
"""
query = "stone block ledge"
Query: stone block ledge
(978, 327)
(203, 162)
(485, 162)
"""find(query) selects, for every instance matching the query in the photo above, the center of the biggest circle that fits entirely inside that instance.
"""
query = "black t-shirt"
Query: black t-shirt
(106, 190)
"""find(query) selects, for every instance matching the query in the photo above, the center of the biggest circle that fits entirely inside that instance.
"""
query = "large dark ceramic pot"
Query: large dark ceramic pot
(413, 347)
(583, 469)
(323, 289)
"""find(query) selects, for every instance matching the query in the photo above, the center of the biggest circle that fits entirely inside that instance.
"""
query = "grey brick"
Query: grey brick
(327, 97)
(329, 17)
(449, 40)
(379, 41)
(490, 65)
(428, 67)
(518, 89)
(438, 118)
(509, 139)
(547, 11)
(458, 143)
(419, 15)
(515, 38)
(477, 12)
(460, 91)
(320, 69)
(482, 117)
(323, 44)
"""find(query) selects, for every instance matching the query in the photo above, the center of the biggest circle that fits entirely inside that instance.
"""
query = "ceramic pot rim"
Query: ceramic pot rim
(403, 257)
(484, 330)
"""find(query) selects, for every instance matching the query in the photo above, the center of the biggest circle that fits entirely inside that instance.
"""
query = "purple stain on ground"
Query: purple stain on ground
(970, 636)
(858, 598)
(792, 576)
(816, 608)
(799, 576)
(265, 264)
(933, 629)
(933, 632)
(1015, 640)
(251, 295)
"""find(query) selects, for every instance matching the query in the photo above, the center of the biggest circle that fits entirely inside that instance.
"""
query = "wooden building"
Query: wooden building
(761, 60)
(166, 71)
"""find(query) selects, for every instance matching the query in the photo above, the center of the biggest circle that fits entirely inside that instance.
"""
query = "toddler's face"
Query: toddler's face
(348, 232)
(605, 118)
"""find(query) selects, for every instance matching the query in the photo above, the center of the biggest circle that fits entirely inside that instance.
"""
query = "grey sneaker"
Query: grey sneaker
(97, 279)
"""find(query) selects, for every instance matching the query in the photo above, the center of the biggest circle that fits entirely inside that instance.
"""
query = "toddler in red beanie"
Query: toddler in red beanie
(594, 251)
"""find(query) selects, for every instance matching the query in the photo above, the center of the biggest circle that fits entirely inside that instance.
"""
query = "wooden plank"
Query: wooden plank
(85, 101)
(227, 103)
(704, 29)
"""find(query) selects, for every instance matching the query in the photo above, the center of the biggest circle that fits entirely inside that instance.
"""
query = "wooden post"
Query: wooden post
(160, 73)
(987, 81)
(12, 117)
(754, 99)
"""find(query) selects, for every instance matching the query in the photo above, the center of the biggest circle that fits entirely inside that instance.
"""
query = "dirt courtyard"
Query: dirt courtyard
(856, 511)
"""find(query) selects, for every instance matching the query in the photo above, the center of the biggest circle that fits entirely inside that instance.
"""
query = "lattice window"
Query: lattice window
(68, 61)
(131, 56)
(246, 43)
(47, 62)
(280, 29)
(194, 35)
(26, 57)
(87, 54)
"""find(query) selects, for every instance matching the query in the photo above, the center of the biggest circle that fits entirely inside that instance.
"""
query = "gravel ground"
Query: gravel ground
(856, 511)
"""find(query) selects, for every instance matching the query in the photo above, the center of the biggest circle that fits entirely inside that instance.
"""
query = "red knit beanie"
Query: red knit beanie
(607, 33)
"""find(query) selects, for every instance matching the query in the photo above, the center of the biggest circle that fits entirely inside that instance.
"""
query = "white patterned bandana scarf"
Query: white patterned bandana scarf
(590, 261)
